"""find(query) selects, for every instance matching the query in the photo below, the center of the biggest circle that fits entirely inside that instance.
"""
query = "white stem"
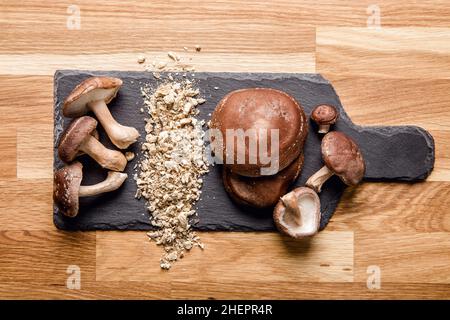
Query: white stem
(106, 158)
(324, 128)
(292, 208)
(111, 183)
(316, 181)
(121, 136)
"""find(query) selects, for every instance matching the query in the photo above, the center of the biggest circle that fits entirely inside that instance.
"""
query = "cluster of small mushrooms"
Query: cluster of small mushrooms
(81, 137)
(296, 213)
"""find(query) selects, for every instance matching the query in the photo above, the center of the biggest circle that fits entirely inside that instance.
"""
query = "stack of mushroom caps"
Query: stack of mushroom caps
(297, 214)
(256, 112)
(81, 137)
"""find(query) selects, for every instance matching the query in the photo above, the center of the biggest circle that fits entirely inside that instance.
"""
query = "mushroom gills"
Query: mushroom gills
(78, 107)
(302, 219)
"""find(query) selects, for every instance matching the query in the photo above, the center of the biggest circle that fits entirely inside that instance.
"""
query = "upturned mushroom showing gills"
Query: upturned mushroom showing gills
(324, 115)
(342, 157)
(93, 94)
(297, 214)
(79, 137)
(67, 187)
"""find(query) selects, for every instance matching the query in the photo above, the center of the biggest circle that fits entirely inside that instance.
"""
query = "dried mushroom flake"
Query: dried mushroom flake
(173, 161)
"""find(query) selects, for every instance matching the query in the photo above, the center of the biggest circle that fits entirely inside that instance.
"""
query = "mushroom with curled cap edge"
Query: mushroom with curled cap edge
(324, 115)
(297, 214)
(342, 157)
(93, 94)
(264, 191)
(79, 138)
(67, 187)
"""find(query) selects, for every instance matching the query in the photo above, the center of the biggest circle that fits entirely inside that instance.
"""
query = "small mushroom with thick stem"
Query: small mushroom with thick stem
(324, 115)
(78, 138)
(67, 187)
(297, 214)
(342, 157)
(93, 94)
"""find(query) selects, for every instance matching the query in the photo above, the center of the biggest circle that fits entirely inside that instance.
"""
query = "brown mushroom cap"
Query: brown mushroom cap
(342, 156)
(66, 185)
(261, 108)
(74, 136)
(91, 89)
(324, 114)
(264, 191)
(297, 214)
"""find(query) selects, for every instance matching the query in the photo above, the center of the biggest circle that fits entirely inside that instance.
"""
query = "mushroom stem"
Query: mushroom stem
(324, 128)
(106, 158)
(121, 136)
(316, 181)
(113, 181)
(292, 208)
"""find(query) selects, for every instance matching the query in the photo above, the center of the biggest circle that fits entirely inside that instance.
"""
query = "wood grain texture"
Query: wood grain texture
(55, 251)
(394, 53)
(326, 258)
(412, 257)
(393, 76)
(25, 204)
(47, 64)
(34, 152)
(394, 207)
(237, 290)
(8, 158)
(26, 101)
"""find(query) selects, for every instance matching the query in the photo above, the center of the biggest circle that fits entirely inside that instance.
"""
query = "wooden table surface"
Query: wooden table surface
(396, 74)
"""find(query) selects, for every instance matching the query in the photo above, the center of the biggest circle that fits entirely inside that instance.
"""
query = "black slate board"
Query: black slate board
(403, 153)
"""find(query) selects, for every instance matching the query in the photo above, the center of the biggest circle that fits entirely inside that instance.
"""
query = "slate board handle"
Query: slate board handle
(404, 153)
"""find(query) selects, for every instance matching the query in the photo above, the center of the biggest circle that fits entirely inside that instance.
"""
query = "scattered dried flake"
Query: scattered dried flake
(173, 161)
(172, 55)
(141, 59)
(174, 62)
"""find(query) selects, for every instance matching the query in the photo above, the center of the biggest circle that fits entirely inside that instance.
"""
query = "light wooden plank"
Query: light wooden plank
(395, 53)
(26, 102)
(44, 256)
(277, 26)
(47, 64)
(26, 205)
(325, 258)
(394, 207)
(441, 170)
(157, 26)
(8, 157)
(306, 290)
(375, 101)
(404, 257)
(35, 152)
(89, 290)
(237, 290)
